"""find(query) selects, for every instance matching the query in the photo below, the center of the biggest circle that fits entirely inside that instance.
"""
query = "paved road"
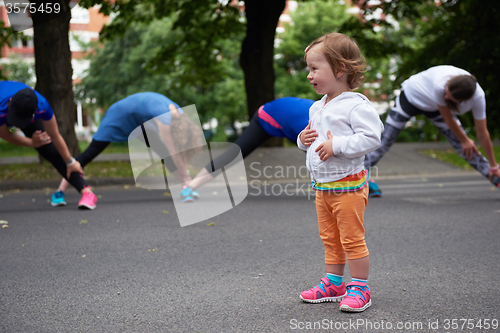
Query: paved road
(129, 267)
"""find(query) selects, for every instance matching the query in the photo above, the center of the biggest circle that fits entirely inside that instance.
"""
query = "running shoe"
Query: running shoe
(358, 298)
(196, 195)
(58, 199)
(324, 292)
(88, 201)
(373, 190)
(187, 194)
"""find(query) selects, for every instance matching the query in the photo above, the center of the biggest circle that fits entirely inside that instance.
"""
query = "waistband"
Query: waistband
(351, 183)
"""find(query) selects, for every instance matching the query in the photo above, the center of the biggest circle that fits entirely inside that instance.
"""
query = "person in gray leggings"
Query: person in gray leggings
(442, 93)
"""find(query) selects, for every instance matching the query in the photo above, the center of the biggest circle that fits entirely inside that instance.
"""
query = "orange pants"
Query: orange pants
(340, 220)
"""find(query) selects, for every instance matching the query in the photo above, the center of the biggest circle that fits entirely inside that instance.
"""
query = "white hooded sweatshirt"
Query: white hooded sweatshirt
(356, 129)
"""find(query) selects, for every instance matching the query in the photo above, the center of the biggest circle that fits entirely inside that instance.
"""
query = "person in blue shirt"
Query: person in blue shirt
(26, 109)
(284, 117)
(125, 116)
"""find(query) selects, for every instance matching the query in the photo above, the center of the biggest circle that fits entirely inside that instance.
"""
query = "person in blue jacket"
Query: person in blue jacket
(125, 116)
(284, 117)
(26, 109)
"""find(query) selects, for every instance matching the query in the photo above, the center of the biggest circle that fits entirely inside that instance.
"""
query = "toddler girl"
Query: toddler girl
(343, 127)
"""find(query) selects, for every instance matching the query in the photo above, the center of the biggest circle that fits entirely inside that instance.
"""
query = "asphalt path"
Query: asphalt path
(129, 266)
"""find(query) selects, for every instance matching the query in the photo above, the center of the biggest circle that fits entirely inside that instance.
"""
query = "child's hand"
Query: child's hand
(325, 150)
(308, 135)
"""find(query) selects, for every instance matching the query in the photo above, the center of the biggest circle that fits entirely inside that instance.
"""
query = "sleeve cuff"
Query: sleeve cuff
(300, 144)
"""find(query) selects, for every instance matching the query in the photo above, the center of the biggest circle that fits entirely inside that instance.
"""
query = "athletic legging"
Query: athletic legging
(96, 147)
(400, 114)
(50, 153)
(251, 138)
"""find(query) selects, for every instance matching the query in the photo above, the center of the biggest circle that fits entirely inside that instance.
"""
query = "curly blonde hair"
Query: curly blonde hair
(343, 55)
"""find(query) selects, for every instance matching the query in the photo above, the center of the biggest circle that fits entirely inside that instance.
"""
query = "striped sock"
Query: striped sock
(335, 279)
(361, 281)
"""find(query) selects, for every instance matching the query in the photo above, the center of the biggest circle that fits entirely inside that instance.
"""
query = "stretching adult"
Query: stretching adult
(283, 117)
(126, 115)
(442, 93)
(28, 110)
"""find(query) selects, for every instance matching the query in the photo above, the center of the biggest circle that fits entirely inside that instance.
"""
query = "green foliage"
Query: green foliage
(118, 69)
(122, 66)
(313, 19)
(309, 21)
(7, 36)
(19, 69)
(198, 29)
(7, 149)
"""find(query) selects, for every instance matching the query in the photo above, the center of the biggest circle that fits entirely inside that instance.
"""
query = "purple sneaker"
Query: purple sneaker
(324, 292)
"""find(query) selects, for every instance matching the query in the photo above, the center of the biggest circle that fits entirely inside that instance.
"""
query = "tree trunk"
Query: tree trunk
(53, 67)
(257, 51)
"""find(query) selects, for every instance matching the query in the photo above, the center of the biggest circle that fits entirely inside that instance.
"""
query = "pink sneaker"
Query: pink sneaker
(88, 201)
(324, 292)
(358, 298)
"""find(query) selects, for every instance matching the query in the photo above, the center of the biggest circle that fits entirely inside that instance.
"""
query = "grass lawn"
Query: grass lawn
(10, 150)
(45, 171)
(450, 156)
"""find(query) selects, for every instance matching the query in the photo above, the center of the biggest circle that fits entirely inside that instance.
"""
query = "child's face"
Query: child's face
(320, 72)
